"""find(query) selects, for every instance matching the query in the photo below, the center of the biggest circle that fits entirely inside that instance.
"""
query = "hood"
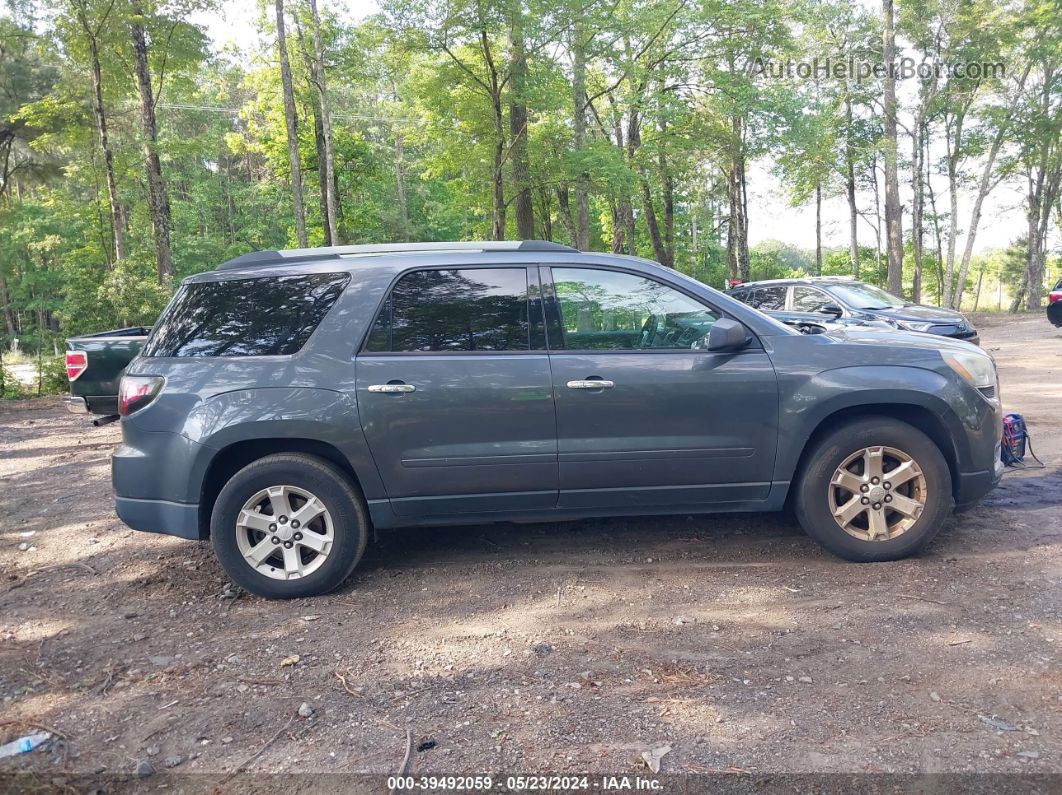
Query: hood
(923, 314)
(896, 339)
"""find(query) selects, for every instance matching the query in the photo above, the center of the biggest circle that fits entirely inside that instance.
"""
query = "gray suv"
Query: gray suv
(290, 402)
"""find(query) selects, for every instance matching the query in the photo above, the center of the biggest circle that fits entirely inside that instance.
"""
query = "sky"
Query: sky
(771, 215)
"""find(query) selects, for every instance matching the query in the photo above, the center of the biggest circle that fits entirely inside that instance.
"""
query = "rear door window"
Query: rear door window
(456, 310)
(769, 299)
(267, 316)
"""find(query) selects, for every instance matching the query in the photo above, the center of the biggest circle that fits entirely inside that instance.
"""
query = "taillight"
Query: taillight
(136, 391)
(1054, 295)
(76, 364)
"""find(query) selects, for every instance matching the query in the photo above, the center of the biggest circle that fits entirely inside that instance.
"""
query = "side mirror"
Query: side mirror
(831, 309)
(726, 335)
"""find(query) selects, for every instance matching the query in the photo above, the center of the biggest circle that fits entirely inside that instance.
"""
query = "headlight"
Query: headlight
(910, 325)
(977, 369)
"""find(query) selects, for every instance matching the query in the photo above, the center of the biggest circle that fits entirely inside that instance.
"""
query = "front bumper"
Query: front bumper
(971, 487)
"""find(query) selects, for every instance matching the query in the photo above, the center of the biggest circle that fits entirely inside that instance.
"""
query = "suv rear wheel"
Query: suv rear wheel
(874, 489)
(289, 525)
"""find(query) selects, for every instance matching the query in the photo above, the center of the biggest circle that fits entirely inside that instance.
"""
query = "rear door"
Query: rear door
(646, 417)
(454, 393)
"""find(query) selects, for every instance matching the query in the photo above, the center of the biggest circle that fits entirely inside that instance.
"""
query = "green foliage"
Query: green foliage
(422, 97)
(52, 375)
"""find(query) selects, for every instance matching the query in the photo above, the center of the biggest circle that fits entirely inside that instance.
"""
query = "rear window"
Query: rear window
(268, 316)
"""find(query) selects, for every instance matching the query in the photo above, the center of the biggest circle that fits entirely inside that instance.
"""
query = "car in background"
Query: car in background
(820, 323)
(845, 298)
(1054, 305)
(95, 364)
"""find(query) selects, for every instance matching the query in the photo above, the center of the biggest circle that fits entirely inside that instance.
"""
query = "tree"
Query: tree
(92, 30)
(1039, 155)
(290, 122)
(158, 199)
(525, 212)
(328, 182)
(893, 217)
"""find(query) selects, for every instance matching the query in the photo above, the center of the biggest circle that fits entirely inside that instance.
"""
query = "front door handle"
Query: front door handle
(591, 383)
(392, 389)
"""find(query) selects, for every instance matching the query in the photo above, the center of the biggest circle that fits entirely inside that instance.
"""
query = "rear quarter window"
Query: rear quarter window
(266, 316)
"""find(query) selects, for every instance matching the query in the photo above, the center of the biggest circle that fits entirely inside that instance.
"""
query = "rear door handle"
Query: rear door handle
(392, 389)
(591, 383)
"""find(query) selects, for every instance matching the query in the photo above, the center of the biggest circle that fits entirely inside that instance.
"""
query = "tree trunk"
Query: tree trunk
(937, 239)
(733, 227)
(743, 201)
(546, 213)
(328, 181)
(581, 239)
(668, 200)
(952, 145)
(158, 201)
(893, 220)
(497, 175)
(400, 189)
(9, 316)
(877, 220)
(290, 123)
(634, 142)
(629, 232)
(117, 212)
(318, 134)
(980, 278)
(653, 227)
(617, 227)
(850, 184)
(565, 212)
(525, 206)
(818, 229)
(916, 209)
(319, 147)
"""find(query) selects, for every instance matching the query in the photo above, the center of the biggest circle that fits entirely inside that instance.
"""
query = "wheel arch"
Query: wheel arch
(924, 419)
(230, 459)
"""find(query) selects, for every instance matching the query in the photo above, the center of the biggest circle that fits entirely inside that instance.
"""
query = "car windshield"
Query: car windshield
(863, 296)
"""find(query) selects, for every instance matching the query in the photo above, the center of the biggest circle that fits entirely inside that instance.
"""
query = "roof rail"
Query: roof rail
(288, 256)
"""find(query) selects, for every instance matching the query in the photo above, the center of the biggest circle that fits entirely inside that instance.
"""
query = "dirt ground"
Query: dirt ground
(734, 640)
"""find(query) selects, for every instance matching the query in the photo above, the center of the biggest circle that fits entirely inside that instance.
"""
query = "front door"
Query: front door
(645, 417)
(454, 393)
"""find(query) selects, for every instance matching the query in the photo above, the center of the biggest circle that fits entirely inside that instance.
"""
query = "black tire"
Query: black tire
(813, 488)
(350, 520)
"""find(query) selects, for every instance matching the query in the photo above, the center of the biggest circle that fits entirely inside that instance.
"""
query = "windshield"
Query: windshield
(863, 296)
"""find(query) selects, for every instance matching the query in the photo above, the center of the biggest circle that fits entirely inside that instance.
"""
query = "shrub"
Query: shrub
(53, 380)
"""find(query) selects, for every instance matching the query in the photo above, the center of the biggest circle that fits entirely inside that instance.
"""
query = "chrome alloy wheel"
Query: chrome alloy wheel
(284, 532)
(877, 493)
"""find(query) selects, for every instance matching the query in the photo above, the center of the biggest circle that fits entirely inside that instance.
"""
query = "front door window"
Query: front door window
(608, 310)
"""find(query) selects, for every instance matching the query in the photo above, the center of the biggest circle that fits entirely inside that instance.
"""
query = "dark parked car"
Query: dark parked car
(846, 298)
(819, 323)
(94, 367)
(290, 402)
(1054, 305)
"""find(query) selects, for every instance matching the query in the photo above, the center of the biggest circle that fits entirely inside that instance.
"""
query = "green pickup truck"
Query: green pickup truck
(95, 364)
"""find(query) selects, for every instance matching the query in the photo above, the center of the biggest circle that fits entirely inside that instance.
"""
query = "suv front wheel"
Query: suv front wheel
(874, 489)
(289, 525)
